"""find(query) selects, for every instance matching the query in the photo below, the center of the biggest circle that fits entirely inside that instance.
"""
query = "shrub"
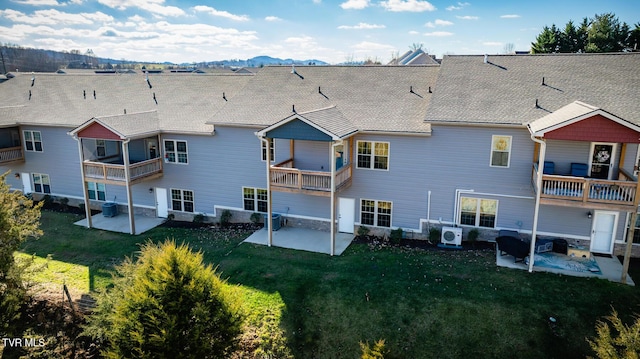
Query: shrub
(396, 235)
(625, 345)
(171, 217)
(377, 352)
(255, 218)
(225, 218)
(363, 231)
(199, 218)
(81, 207)
(64, 203)
(47, 201)
(167, 304)
(434, 235)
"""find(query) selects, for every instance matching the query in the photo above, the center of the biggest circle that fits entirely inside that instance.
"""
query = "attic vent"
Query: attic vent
(154, 98)
(29, 94)
(84, 94)
(486, 58)
(430, 90)
(537, 106)
(94, 94)
(411, 89)
(293, 71)
(149, 82)
(125, 111)
(542, 81)
(224, 97)
(293, 108)
(320, 92)
(33, 81)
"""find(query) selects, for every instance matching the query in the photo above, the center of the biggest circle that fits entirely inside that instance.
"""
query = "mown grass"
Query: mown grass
(425, 304)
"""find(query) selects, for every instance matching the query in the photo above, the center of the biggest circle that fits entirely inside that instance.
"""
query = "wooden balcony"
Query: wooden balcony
(618, 195)
(286, 178)
(115, 174)
(11, 154)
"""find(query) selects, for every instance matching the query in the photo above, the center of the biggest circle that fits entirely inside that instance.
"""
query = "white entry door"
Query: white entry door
(603, 232)
(162, 207)
(346, 214)
(26, 183)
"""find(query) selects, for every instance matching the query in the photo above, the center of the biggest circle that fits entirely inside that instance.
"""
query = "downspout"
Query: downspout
(127, 176)
(269, 221)
(536, 209)
(87, 204)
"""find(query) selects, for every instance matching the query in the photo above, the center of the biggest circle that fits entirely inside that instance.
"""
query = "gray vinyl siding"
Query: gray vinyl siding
(312, 155)
(59, 159)
(563, 153)
(630, 157)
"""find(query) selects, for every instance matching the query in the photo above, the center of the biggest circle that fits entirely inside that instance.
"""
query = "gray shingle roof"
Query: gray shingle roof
(9, 115)
(372, 98)
(504, 90)
(328, 120)
(184, 101)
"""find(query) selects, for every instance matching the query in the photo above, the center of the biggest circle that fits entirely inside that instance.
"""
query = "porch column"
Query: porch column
(127, 176)
(269, 221)
(333, 196)
(627, 251)
(87, 204)
(536, 210)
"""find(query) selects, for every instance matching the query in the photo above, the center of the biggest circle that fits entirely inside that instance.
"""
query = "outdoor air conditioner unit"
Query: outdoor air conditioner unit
(451, 235)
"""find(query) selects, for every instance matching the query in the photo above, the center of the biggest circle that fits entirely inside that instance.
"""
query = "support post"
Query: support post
(627, 251)
(536, 210)
(127, 176)
(333, 196)
(87, 203)
(269, 221)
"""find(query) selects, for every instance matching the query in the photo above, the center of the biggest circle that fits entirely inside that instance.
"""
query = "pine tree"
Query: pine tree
(167, 304)
(19, 220)
(626, 344)
(546, 42)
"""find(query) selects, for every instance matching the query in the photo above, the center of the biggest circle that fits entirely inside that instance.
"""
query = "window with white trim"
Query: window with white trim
(500, 151)
(96, 191)
(182, 200)
(41, 183)
(175, 151)
(478, 212)
(375, 213)
(373, 155)
(254, 199)
(272, 149)
(101, 148)
(32, 141)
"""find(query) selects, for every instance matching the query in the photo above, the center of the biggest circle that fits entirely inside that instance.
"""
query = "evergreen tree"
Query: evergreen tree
(634, 38)
(606, 34)
(19, 220)
(546, 42)
(625, 343)
(167, 304)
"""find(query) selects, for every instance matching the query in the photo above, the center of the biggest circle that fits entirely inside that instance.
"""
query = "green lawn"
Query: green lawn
(425, 304)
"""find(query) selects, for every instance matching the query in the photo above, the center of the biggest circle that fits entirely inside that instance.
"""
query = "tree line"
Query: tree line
(601, 33)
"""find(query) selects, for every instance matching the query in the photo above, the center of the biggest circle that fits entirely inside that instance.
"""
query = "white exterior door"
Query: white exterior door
(162, 207)
(346, 214)
(26, 183)
(603, 232)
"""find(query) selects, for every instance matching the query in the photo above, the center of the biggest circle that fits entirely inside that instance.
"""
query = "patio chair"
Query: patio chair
(579, 169)
(549, 168)
(509, 244)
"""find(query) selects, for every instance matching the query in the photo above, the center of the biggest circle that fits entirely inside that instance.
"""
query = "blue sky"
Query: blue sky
(330, 30)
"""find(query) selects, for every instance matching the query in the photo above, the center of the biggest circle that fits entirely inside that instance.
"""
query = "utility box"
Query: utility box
(275, 221)
(110, 209)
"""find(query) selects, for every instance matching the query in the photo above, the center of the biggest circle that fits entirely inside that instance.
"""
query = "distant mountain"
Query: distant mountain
(17, 58)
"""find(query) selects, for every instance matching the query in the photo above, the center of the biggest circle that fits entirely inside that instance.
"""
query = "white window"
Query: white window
(101, 148)
(96, 191)
(478, 212)
(373, 155)
(500, 151)
(375, 213)
(272, 150)
(182, 200)
(254, 199)
(175, 151)
(41, 183)
(33, 141)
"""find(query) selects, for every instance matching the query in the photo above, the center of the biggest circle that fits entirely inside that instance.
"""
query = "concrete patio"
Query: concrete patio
(610, 267)
(302, 239)
(120, 223)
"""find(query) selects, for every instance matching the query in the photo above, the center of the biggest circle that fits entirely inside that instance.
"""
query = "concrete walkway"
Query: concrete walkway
(611, 268)
(120, 223)
(302, 239)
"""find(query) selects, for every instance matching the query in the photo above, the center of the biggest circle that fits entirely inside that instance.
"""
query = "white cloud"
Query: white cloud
(38, 2)
(467, 17)
(413, 32)
(492, 43)
(407, 5)
(438, 22)
(55, 17)
(510, 16)
(355, 4)
(153, 6)
(212, 11)
(459, 6)
(367, 46)
(361, 26)
(272, 18)
(317, 1)
(438, 34)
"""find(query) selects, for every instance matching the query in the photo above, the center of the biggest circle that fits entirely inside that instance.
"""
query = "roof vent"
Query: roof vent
(543, 81)
(84, 94)
(224, 97)
(486, 58)
(430, 90)
(293, 108)
(33, 81)
(29, 95)
(94, 94)
(293, 71)
(148, 82)
(154, 98)
(125, 111)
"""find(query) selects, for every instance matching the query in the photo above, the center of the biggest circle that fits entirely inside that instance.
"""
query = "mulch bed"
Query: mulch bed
(421, 244)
